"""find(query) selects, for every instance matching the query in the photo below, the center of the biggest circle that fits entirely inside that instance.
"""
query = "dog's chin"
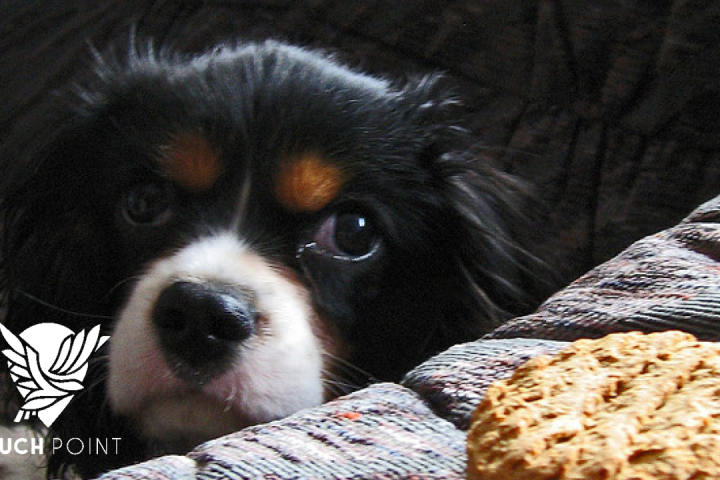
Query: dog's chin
(181, 417)
(177, 423)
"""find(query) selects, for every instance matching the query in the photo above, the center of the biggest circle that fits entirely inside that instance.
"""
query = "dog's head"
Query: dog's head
(257, 229)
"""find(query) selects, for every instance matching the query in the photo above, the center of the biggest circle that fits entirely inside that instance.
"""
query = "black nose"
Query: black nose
(200, 326)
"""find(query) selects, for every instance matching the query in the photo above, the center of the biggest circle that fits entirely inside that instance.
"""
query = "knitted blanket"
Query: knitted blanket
(416, 429)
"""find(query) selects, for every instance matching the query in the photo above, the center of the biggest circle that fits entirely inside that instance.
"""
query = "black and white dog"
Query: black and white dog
(258, 229)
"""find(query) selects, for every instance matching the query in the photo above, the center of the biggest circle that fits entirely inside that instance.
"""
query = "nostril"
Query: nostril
(171, 310)
(231, 318)
(170, 318)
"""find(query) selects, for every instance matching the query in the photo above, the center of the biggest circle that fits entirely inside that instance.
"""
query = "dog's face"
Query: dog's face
(259, 228)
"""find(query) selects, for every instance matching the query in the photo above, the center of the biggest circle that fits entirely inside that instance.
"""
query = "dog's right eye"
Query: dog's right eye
(347, 235)
(147, 204)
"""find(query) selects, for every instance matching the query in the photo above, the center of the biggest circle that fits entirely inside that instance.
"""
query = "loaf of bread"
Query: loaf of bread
(627, 406)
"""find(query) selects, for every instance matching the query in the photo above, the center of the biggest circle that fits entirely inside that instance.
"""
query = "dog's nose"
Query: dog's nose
(201, 325)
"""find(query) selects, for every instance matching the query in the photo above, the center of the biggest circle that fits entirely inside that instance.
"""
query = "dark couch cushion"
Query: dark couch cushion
(670, 280)
(455, 381)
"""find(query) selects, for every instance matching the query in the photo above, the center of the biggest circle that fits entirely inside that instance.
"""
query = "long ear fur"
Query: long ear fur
(495, 220)
(54, 259)
(495, 215)
(53, 246)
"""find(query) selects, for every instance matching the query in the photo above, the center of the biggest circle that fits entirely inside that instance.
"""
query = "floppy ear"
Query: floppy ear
(52, 249)
(494, 215)
(493, 221)
(55, 269)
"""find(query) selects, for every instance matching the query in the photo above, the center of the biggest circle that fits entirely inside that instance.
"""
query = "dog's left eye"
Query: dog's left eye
(347, 234)
(147, 204)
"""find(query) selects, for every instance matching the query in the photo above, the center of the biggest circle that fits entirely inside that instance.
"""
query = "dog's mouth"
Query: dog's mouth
(179, 420)
(183, 415)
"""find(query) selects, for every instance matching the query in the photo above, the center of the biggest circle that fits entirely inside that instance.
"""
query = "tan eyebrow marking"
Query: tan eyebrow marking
(308, 182)
(192, 162)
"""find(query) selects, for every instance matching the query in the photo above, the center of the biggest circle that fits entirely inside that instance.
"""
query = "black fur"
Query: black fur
(453, 265)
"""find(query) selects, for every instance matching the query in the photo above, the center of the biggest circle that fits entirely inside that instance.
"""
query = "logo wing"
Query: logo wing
(17, 360)
(75, 352)
(24, 366)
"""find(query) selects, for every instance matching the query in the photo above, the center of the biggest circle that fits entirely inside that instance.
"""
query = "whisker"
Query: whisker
(339, 387)
(348, 370)
(334, 391)
(341, 376)
(121, 283)
(60, 309)
(339, 383)
(92, 386)
(230, 398)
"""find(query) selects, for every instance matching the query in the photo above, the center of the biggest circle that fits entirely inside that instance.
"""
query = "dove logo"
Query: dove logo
(48, 363)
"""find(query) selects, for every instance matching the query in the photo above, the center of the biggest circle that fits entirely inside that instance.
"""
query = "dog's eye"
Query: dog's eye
(147, 204)
(347, 234)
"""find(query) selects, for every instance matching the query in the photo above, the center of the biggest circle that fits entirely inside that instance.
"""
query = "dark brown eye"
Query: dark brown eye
(147, 204)
(347, 234)
(354, 234)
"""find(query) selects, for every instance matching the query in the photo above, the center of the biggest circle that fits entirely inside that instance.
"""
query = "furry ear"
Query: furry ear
(52, 248)
(495, 216)
(494, 221)
(54, 260)
(433, 104)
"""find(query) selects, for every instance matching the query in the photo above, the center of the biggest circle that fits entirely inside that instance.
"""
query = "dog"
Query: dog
(258, 229)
